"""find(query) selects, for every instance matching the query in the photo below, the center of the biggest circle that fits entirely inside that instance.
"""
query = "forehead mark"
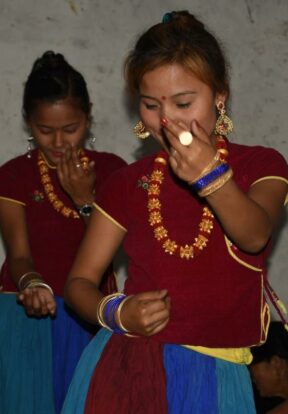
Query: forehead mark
(163, 98)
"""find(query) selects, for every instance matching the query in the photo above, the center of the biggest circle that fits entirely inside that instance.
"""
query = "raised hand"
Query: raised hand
(78, 183)
(188, 161)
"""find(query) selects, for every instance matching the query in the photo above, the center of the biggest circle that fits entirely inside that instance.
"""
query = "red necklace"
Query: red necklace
(161, 234)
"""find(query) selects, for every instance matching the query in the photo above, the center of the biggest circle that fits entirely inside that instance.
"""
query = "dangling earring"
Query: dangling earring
(92, 140)
(29, 146)
(140, 131)
(224, 124)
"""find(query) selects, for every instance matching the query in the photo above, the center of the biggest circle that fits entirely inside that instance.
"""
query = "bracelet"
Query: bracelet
(27, 284)
(108, 310)
(40, 284)
(217, 184)
(24, 276)
(100, 309)
(208, 167)
(118, 314)
(210, 177)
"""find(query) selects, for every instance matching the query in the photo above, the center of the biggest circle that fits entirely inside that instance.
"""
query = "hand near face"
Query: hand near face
(78, 183)
(37, 301)
(189, 161)
(146, 313)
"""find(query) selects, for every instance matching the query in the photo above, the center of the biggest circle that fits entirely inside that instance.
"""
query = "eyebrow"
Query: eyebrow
(173, 96)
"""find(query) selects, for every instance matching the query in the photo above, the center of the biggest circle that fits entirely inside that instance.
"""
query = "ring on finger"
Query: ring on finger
(78, 165)
(174, 152)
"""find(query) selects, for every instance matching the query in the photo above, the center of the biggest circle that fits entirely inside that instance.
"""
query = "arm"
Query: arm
(247, 218)
(145, 313)
(38, 300)
(280, 409)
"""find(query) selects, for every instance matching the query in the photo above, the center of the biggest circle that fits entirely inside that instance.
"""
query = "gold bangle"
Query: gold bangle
(101, 306)
(40, 284)
(118, 315)
(217, 184)
(208, 167)
(19, 284)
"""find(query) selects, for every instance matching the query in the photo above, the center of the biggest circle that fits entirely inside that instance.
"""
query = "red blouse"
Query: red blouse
(217, 297)
(53, 238)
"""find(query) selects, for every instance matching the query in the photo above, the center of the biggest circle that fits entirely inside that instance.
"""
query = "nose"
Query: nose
(58, 139)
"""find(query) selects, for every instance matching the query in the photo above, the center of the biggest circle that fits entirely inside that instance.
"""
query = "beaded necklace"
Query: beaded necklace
(57, 204)
(161, 234)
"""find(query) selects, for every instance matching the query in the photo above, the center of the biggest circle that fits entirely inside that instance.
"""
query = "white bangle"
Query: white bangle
(25, 275)
(40, 284)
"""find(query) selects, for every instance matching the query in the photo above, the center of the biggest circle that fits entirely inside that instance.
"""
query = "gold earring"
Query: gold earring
(140, 131)
(224, 124)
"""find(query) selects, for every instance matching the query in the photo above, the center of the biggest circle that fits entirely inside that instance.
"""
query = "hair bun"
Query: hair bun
(183, 17)
(49, 60)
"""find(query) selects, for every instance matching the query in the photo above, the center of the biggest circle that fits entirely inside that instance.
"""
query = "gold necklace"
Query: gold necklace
(57, 204)
(161, 234)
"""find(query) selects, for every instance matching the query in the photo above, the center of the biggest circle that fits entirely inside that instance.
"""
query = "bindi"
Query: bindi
(163, 98)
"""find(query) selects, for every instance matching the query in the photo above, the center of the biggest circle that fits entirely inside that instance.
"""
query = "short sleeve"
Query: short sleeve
(268, 163)
(11, 183)
(113, 198)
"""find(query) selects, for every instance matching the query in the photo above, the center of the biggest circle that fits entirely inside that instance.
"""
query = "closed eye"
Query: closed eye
(183, 105)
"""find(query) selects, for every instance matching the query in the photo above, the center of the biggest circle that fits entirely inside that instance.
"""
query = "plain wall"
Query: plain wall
(95, 36)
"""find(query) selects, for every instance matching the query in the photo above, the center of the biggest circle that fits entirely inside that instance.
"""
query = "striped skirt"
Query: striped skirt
(118, 374)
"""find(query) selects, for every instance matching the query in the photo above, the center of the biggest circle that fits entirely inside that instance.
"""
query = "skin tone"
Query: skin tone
(58, 129)
(173, 100)
(271, 379)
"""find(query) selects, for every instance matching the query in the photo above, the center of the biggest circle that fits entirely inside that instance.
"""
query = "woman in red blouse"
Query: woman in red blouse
(196, 221)
(45, 199)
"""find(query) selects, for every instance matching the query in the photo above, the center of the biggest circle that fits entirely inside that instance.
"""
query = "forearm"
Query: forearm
(83, 296)
(243, 220)
(21, 266)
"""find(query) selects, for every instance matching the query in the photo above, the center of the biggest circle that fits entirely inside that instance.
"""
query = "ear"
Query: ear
(220, 97)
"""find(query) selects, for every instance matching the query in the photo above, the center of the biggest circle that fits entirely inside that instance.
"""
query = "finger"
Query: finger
(177, 133)
(152, 295)
(158, 327)
(199, 133)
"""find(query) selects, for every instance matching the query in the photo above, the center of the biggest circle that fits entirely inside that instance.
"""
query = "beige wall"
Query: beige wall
(95, 35)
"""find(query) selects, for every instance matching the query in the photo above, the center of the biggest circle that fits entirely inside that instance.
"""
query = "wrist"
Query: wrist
(84, 210)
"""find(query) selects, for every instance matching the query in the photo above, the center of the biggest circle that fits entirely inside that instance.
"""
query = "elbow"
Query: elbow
(255, 245)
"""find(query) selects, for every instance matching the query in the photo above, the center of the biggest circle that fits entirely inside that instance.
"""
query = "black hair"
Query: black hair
(183, 39)
(51, 79)
(276, 344)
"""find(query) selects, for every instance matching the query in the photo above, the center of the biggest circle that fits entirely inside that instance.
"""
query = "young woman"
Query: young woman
(196, 221)
(45, 198)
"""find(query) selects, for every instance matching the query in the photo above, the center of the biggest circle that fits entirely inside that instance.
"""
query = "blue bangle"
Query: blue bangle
(208, 178)
(110, 311)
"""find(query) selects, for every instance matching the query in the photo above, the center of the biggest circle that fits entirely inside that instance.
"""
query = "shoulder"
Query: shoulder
(104, 157)
(18, 164)
(264, 160)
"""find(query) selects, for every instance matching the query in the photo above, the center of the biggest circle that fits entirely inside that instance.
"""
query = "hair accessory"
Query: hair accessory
(167, 17)
(140, 131)
(29, 146)
(186, 138)
(224, 124)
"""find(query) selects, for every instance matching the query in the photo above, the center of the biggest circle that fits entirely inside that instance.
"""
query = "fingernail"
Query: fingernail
(164, 121)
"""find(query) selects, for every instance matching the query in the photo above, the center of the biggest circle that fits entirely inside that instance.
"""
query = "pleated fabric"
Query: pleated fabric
(25, 361)
(143, 376)
(70, 336)
(77, 393)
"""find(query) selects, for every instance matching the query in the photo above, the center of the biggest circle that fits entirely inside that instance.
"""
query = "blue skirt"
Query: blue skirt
(195, 383)
(38, 357)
